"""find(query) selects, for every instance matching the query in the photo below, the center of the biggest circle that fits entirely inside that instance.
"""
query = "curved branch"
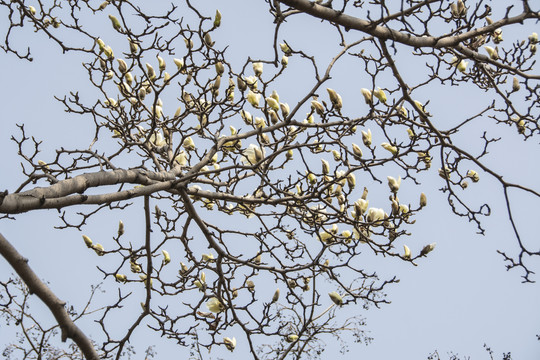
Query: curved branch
(55, 305)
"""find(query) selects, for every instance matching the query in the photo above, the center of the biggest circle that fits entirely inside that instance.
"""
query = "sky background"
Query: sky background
(457, 299)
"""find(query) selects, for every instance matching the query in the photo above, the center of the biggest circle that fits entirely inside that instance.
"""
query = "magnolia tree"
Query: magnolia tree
(257, 223)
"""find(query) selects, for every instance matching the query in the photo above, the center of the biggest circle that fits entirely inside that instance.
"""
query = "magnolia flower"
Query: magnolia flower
(207, 257)
(252, 155)
(258, 68)
(391, 148)
(166, 257)
(404, 209)
(217, 23)
(427, 249)
(122, 66)
(32, 10)
(407, 254)
(375, 214)
(423, 200)
(284, 60)
(214, 305)
(403, 112)
(366, 137)
(325, 166)
(120, 228)
(181, 158)
(285, 109)
(317, 106)
(515, 84)
(136, 268)
(276, 296)
(246, 116)
(179, 63)
(98, 248)
(461, 65)
(473, 175)
(325, 237)
(253, 98)
(379, 94)
(161, 63)
(121, 278)
(367, 96)
(493, 53)
(87, 241)
(497, 36)
(335, 98)
(458, 10)
(157, 139)
(351, 180)
(360, 207)
(292, 338)
(230, 344)
(115, 23)
(533, 38)
(285, 48)
(394, 184)
(357, 151)
(150, 71)
(336, 298)
(188, 144)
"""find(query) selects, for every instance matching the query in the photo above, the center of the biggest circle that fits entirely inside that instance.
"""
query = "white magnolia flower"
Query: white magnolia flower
(252, 155)
(214, 305)
(375, 214)
(393, 183)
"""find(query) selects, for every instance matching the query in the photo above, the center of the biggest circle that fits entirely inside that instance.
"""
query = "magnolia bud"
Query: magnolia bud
(276, 296)
(166, 257)
(87, 241)
(423, 200)
(115, 23)
(336, 298)
(407, 254)
(427, 249)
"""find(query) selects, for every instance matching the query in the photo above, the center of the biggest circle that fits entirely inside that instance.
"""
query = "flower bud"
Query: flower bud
(258, 68)
(336, 298)
(276, 296)
(427, 249)
(367, 96)
(492, 52)
(87, 241)
(423, 200)
(121, 278)
(407, 254)
(394, 150)
(394, 184)
(379, 94)
(115, 23)
(217, 23)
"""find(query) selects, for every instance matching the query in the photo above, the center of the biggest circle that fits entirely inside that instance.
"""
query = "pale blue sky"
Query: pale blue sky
(457, 299)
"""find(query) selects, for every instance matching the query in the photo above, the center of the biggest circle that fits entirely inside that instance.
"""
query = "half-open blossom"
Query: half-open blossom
(366, 137)
(230, 344)
(214, 305)
(389, 147)
(258, 68)
(375, 214)
(252, 155)
(253, 98)
(394, 184)
(367, 96)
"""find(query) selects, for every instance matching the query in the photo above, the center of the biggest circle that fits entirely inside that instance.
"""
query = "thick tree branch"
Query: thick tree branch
(55, 305)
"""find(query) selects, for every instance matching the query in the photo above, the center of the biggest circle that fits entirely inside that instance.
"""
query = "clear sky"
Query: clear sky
(457, 299)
